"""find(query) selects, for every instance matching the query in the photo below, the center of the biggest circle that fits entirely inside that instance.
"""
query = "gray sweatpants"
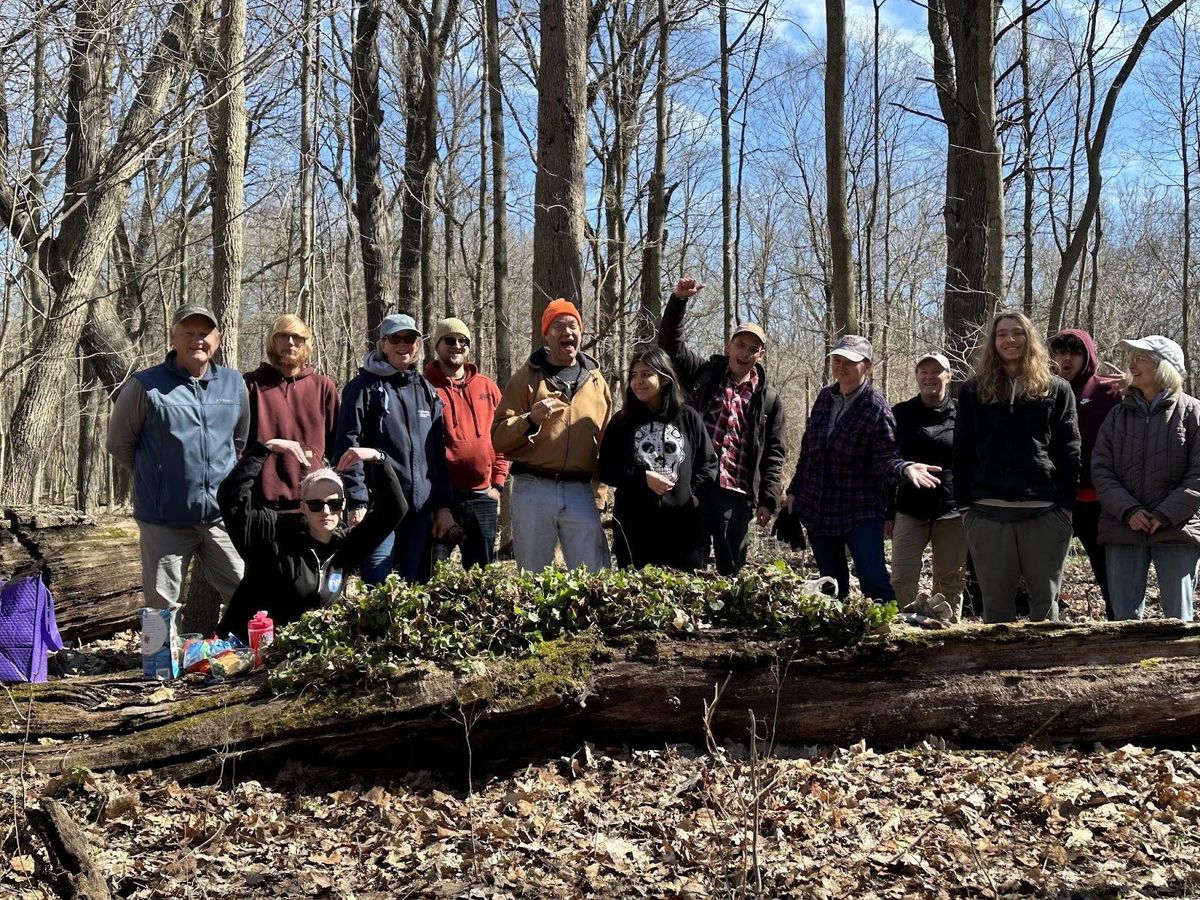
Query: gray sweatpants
(1004, 552)
(167, 552)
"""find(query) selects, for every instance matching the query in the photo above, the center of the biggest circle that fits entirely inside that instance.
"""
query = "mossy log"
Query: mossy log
(91, 565)
(977, 685)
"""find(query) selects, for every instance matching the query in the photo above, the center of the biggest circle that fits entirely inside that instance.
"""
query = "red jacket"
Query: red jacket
(470, 406)
(302, 408)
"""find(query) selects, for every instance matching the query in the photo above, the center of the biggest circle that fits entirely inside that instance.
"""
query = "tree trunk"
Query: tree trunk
(558, 211)
(964, 67)
(1026, 165)
(845, 316)
(370, 206)
(95, 202)
(499, 195)
(91, 566)
(305, 300)
(1095, 154)
(227, 91)
(976, 685)
(656, 202)
(727, 261)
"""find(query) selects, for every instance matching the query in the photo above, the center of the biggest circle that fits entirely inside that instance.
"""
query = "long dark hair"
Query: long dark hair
(672, 394)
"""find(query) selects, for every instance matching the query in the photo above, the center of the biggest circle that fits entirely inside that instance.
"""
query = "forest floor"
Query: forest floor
(929, 820)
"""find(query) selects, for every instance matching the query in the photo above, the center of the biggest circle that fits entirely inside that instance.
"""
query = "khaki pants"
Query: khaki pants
(167, 552)
(909, 539)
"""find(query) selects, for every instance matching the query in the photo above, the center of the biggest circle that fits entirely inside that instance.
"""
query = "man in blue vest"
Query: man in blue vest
(178, 428)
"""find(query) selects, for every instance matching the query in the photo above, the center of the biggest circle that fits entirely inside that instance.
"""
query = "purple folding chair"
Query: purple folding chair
(28, 631)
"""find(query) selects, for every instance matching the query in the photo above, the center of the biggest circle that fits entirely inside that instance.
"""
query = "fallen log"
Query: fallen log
(975, 685)
(91, 565)
(72, 869)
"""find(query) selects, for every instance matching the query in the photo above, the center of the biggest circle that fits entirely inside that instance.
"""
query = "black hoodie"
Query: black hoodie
(925, 434)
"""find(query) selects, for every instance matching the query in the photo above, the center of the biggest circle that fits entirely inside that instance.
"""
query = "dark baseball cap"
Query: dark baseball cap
(194, 310)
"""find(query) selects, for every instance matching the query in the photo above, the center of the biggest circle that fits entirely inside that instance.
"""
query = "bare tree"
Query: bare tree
(499, 194)
(97, 186)
(964, 64)
(1095, 154)
(226, 106)
(558, 212)
(845, 317)
(366, 123)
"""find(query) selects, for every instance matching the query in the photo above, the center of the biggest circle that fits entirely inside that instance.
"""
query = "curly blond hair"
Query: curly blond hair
(992, 381)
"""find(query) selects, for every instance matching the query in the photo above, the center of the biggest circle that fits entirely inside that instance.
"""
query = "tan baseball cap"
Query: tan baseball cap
(749, 328)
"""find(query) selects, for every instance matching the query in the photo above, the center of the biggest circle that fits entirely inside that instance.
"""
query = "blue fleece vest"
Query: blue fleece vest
(186, 446)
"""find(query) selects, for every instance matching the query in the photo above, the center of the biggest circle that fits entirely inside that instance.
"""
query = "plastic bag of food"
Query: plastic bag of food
(229, 663)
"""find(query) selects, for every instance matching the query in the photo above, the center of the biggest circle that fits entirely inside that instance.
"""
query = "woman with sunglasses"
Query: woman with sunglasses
(297, 563)
(390, 406)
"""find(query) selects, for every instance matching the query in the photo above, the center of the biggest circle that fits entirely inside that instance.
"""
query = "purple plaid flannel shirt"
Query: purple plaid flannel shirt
(842, 479)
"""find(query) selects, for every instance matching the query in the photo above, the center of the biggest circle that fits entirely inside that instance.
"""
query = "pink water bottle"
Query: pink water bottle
(262, 632)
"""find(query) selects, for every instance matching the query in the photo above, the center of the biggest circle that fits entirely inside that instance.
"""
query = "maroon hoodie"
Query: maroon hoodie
(470, 406)
(1095, 395)
(302, 408)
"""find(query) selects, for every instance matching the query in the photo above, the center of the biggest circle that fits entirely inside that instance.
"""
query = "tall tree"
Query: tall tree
(1094, 151)
(656, 202)
(309, 88)
(97, 187)
(727, 260)
(558, 212)
(370, 206)
(430, 24)
(845, 315)
(226, 105)
(499, 193)
(964, 69)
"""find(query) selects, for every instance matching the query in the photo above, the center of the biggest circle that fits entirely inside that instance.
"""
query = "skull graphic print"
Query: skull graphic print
(661, 447)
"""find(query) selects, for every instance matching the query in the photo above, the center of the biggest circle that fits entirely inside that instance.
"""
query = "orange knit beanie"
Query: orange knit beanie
(556, 308)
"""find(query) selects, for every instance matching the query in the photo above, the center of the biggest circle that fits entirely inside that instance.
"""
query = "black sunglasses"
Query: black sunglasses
(335, 504)
(401, 338)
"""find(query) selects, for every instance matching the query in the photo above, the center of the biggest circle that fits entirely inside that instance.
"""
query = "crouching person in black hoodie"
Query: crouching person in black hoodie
(297, 563)
(658, 456)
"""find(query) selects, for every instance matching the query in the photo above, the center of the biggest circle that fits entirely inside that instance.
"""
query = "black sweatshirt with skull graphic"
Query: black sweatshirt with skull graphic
(677, 448)
(649, 528)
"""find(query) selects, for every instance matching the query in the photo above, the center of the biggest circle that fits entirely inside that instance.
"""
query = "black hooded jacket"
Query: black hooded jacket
(287, 571)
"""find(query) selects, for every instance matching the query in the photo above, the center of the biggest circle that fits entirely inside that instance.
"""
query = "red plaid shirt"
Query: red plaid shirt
(726, 421)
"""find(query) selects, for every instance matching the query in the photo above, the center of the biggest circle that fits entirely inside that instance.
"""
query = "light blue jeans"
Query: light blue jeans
(547, 512)
(1176, 566)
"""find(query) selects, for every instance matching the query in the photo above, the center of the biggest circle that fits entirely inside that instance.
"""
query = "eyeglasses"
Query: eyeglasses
(1143, 360)
(293, 338)
(395, 339)
(456, 342)
(334, 504)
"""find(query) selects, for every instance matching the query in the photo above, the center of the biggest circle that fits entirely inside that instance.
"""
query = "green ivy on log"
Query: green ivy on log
(462, 619)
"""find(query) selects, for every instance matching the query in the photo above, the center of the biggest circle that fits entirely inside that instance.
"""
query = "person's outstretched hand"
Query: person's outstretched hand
(921, 475)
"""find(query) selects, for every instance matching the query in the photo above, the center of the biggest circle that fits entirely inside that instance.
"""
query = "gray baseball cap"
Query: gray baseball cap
(853, 347)
(1159, 346)
(194, 310)
(397, 322)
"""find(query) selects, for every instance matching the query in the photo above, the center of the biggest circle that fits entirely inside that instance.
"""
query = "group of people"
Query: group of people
(235, 469)
(1023, 460)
